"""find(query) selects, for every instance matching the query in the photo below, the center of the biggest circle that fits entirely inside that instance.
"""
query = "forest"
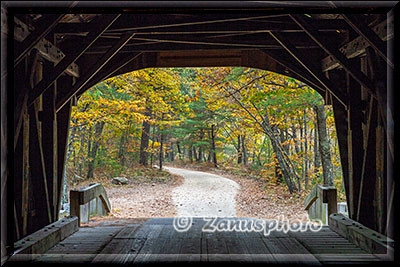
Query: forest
(243, 120)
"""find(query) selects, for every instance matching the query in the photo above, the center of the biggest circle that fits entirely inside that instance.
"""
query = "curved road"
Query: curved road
(204, 194)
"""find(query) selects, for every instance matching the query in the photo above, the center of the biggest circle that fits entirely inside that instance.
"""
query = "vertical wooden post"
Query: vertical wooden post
(375, 159)
(365, 197)
(7, 202)
(49, 140)
(18, 148)
(41, 213)
(25, 172)
(331, 199)
(341, 122)
(75, 207)
(63, 121)
(380, 175)
(355, 143)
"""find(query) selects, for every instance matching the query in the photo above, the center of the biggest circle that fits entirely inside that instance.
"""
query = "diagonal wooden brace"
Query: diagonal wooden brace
(103, 22)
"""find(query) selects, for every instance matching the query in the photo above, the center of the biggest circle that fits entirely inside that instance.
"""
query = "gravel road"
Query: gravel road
(204, 194)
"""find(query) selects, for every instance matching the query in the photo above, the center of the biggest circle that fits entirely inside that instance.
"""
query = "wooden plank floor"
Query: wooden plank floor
(156, 240)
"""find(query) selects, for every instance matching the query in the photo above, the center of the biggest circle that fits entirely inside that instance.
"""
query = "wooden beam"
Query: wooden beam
(94, 69)
(154, 43)
(22, 95)
(45, 48)
(103, 22)
(251, 38)
(231, 26)
(368, 239)
(358, 45)
(309, 66)
(45, 25)
(42, 240)
(369, 35)
(211, 19)
(335, 53)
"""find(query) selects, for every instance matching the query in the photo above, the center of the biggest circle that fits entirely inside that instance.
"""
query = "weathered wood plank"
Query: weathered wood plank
(128, 232)
(310, 198)
(170, 250)
(280, 252)
(119, 251)
(259, 252)
(166, 232)
(190, 250)
(150, 250)
(300, 252)
(81, 197)
(134, 247)
(238, 250)
(363, 237)
(217, 250)
(42, 240)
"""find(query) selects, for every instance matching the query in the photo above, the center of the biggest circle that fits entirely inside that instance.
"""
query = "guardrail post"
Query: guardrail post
(85, 196)
(75, 207)
(321, 202)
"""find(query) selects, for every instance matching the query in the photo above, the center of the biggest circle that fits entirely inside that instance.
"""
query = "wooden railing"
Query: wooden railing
(85, 197)
(363, 237)
(321, 202)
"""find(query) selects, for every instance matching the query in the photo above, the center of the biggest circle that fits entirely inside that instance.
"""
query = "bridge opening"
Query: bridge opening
(243, 123)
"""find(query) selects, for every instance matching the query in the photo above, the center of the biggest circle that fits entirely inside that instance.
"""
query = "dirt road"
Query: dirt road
(204, 194)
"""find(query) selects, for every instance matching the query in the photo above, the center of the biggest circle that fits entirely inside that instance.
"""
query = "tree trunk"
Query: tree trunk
(161, 145)
(244, 151)
(171, 152)
(144, 142)
(324, 148)
(81, 160)
(317, 158)
(121, 152)
(305, 152)
(296, 143)
(152, 147)
(190, 152)
(287, 168)
(289, 172)
(98, 129)
(194, 153)
(200, 157)
(239, 157)
(181, 155)
(70, 148)
(213, 149)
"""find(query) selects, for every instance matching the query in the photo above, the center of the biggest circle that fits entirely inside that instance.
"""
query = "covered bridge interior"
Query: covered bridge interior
(54, 55)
